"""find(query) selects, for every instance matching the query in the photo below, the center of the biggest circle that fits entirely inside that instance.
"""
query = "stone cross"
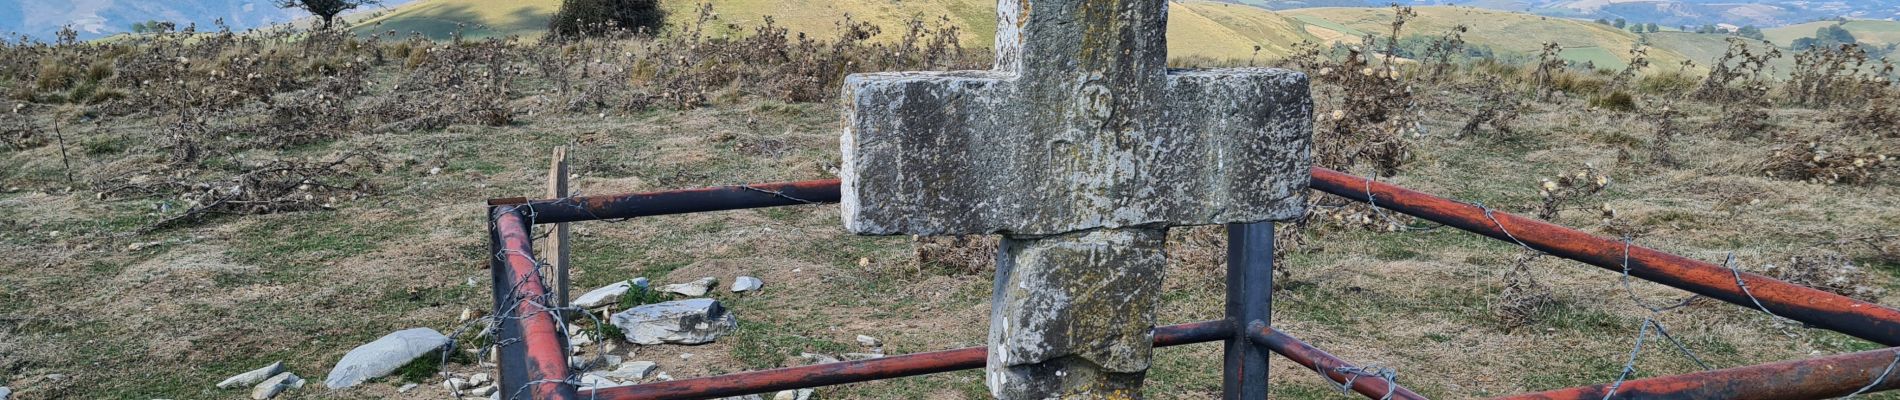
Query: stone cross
(1081, 148)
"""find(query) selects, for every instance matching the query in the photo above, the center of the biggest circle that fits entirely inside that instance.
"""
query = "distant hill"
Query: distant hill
(1765, 13)
(1880, 33)
(1518, 33)
(1198, 28)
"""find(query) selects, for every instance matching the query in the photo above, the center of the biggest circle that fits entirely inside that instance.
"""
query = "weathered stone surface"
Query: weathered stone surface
(1073, 132)
(691, 321)
(800, 394)
(605, 295)
(1082, 299)
(252, 377)
(633, 371)
(692, 289)
(275, 385)
(383, 356)
(1082, 148)
(746, 284)
(6, 393)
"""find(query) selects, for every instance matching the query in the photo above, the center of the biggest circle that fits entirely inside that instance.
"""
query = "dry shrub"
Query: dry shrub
(1665, 127)
(1828, 160)
(1744, 116)
(1836, 76)
(1376, 109)
(279, 186)
(1829, 271)
(1550, 71)
(1572, 192)
(1878, 118)
(959, 254)
(1639, 59)
(1737, 73)
(1518, 304)
(1443, 53)
(1498, 108)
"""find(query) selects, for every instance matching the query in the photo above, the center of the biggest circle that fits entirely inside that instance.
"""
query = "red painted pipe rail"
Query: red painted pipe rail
(1333, 367)
(535, 365)
(584, 208)
(862, 370)
(1815, 378)
(1860, 319)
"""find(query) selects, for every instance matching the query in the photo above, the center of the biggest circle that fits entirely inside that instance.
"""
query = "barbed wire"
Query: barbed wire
(1353, 374)
(510, 309)
(1878, 379)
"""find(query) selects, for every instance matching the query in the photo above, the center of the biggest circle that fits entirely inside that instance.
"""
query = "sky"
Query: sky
(40, 19)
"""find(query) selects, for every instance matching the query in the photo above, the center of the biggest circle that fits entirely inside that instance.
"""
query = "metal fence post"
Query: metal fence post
(1249, 302)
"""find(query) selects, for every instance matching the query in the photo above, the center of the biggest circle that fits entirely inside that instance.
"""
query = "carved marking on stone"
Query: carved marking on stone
(1082, 148)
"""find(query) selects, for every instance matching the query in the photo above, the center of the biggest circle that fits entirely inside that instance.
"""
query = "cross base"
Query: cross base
(1072, 315)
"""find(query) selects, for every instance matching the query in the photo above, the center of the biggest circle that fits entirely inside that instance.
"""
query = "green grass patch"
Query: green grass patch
(765, 345)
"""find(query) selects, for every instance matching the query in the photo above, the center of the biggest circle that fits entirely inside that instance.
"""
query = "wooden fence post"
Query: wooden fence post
(557, 242)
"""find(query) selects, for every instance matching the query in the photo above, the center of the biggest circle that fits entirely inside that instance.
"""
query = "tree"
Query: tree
(1620, 23)
(1827, 37)
(1603, 21)
(1751, 32)
(595, 17)
(1653, 28)
(325, 9)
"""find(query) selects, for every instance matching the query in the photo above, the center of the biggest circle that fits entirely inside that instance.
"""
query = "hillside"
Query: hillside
(1874, 32)
(1509, 32)
(1704, 49)
(1200, 28)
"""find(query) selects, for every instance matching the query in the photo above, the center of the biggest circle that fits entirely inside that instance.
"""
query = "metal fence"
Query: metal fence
(533, 359)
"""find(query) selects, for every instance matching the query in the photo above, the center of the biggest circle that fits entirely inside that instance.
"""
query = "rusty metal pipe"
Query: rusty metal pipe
(1860, 319)
(585, 208)
(862, 370)
(1326, 364)
(1815, 378)
(534, 363)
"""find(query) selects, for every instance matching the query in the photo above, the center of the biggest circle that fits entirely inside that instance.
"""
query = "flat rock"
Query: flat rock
(406, 388)
(252, 377)
(276, 384)
(800, 394)
(692, 289)
(588, 363)
(861, 356)
(691, 321)
(598, 381)
(380, 357)
(868, 341)
(5, 392)
(633, 371)
(605, 295)
(746, 284)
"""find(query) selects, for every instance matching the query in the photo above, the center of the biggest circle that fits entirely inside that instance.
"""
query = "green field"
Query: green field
(1866, 31)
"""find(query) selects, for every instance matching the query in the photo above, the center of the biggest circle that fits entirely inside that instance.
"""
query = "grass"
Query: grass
(235, 293)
